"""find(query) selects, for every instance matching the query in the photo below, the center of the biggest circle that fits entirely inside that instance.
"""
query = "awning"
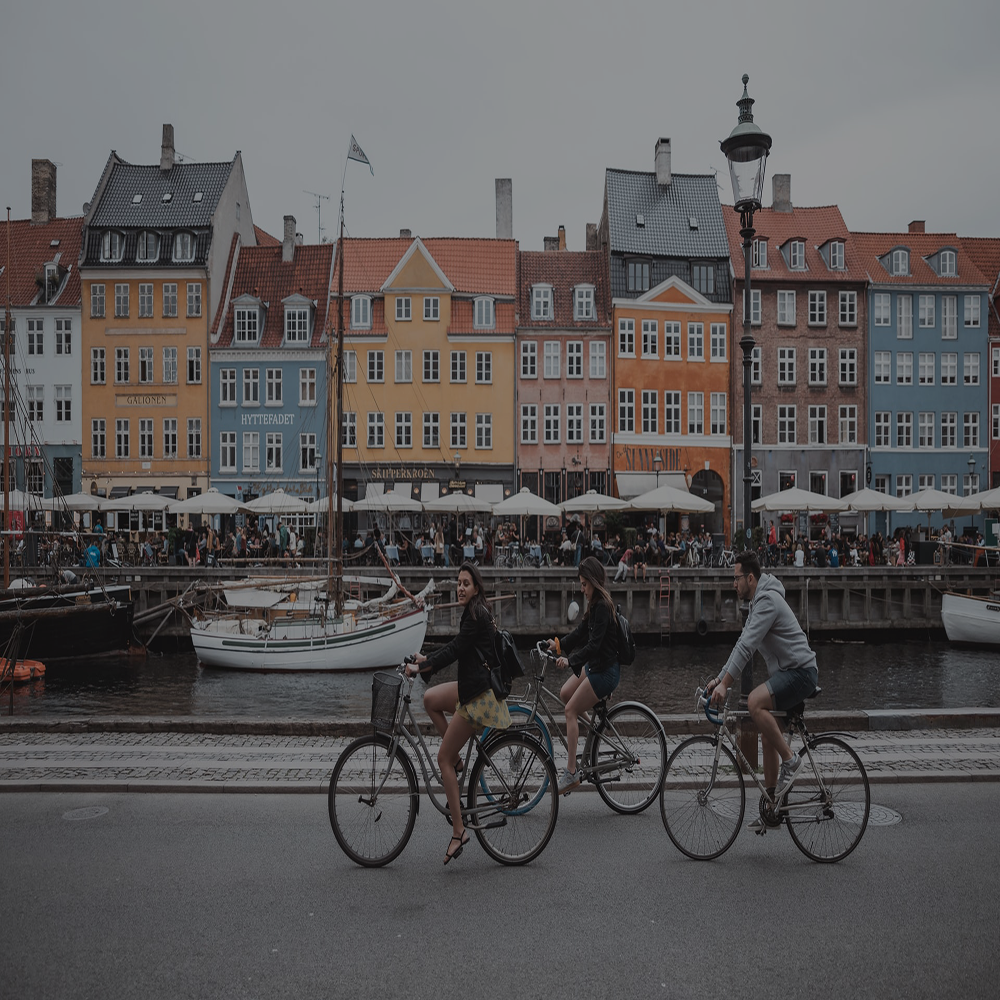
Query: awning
(631, 484)
(119, 491)
(168, 491)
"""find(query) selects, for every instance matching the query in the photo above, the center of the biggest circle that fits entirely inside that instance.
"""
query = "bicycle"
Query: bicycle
(374, 794)
(703, 796)
(625, 745)
(726, 558)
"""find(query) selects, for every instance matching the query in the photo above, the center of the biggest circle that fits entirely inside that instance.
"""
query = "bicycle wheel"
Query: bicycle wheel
(701, 805)
(627, 755)
(536, 729)
(373, 801)
(827, 806)
(512, 793)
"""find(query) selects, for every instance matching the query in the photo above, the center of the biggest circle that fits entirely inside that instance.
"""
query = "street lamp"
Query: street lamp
(972, 471)
(657, 464)
(746, 150)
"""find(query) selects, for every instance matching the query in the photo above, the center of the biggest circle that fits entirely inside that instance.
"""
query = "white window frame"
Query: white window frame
(273, 388)
(404, 429)
(403, 365)
(926, 368)
(432, 308)
(717, 413)
(376, 367)
(696, 341)
(649, 409)
(376, 429)
(848, 312)
(949, 429)
(696, 413)
(307, 387)
(817, 425)
(904, 317)
(848, 366)
(973, 308)
(626, 411)
(598, 423)
(574, 423)
(170, 437)
(431, 365)
(949, 317)
(583, 303)
(847, 427)
(904, 368)
(817, 366)
(251, 387)
(626, 337)
(949, 368)
(529, 359)
(459, 372)
(296, 325)
(882, 309)
(529, 423)
(551, 423)
(650, 338)
(246, 325)
(432, 429)
(251, 451)
(598, 359)
(361, 312)
(484, 431)
(551, 359)
(672, 412)
(541, 302)
(786, 366)
(484, 368)
(227, 451)
(926, 312)
(484, 314)
(574, 359)
(817, 307)
(404, 309)
(786, 307)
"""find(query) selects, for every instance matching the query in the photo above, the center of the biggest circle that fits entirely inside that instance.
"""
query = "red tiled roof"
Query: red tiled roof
(985, 254)
(564, 270)
(871, 246)
(814, 226)
(261, 272)
(265, 239)
(31, 249)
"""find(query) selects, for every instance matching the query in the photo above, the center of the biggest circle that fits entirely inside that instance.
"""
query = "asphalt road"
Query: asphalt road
(223, 896)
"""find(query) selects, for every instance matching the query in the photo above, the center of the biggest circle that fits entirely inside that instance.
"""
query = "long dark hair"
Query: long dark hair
(592, 570)
(478, 606)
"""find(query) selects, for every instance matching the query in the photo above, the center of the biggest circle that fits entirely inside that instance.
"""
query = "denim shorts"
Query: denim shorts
(790, 687)
(606, 681)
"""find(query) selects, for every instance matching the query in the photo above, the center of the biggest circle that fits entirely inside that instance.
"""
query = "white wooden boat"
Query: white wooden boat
(972, 620)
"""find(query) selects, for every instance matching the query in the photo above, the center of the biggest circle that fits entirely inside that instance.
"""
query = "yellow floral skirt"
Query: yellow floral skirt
(484, 712)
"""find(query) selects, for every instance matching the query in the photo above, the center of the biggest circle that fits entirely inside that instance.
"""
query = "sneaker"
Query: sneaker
(786, 775)
(567, 782)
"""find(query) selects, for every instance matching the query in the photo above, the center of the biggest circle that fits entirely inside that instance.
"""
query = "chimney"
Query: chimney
(167, 148)
(505, 209)
(592, 236)
(288, 243)
(916, 226)
(550, 243)
(663, 162)
(299, 239)
(562, 237)
(781, 192)
(405, 234)
(43, 191)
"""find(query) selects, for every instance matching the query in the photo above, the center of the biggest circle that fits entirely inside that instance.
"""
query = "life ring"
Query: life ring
(23, 670)
(702, 627)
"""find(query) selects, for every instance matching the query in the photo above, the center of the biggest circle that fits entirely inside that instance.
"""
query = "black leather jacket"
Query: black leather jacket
(593, 641)
(472, 647)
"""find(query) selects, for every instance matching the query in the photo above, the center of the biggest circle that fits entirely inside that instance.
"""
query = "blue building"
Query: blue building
(928, 367)
(268, 359)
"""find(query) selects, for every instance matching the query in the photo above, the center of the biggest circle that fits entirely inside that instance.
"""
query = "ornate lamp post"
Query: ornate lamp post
(746, 150)
(657, 464)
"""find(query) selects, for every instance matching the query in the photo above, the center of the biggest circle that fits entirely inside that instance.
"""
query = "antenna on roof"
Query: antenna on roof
(320, 198)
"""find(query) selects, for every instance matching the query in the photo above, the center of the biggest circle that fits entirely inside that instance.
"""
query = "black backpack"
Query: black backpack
(507, 664)
(626, 641)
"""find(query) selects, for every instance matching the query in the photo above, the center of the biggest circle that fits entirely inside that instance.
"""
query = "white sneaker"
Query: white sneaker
(789, 768)
(567, 782)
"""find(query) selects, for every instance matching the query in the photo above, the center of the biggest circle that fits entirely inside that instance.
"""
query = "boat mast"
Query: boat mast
(5, 466)
(335, 558)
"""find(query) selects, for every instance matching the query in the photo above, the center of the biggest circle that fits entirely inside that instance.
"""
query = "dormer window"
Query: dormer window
(361, 312)
(246, 324)
(484, 316)
(900, 262)
(148, 247)
(759, 259)
(583, 302)
(541, 302)
(112, 246)
(947, 264)
(797, 255)
(184, 244)
(296, 322)
(836, 256)
(198, 195)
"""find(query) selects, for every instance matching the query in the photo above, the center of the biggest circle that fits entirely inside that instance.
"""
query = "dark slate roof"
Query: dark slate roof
(116, 209)
(667, 212)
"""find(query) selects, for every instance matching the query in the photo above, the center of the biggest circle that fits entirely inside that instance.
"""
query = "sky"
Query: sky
(886, 108)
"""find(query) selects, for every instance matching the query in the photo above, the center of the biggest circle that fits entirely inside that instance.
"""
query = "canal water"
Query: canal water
(853, 676)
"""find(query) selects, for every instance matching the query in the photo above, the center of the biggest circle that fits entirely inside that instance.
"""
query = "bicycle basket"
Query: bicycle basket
(386, 689)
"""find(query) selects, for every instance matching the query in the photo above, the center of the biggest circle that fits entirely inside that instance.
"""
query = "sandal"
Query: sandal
(459, 767)
(462, 841)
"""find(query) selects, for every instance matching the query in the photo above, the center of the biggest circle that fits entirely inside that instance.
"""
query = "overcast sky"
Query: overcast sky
(887, 108)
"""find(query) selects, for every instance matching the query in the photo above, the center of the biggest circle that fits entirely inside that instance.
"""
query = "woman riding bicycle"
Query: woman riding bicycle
(471, 697)
(591, 650)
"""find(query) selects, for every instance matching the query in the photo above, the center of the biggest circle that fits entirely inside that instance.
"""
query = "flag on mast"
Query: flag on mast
(357, 153)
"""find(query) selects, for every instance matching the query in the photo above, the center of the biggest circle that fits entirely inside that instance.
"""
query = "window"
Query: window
(307, 387)
(97, 301)
(458, 430)
(194, 439)
(638, 276)
(883, 367)
(972, 310)
(36, 337)
(251, 451)
(170, 299)
(786, 308)
(227, 451)
(754, 306)
(996, 422)
(194, 365)
(296, 325)
(650, 348)
(703, 278)
(949, 483)
(529, 359)
(550, 362)
(432, 430)
(574, 423)
(458, 366)
(361, 312)
(900, 262)
(251, 387)
(484, 316)
(484, 430)
(626, 411)
(836, 256)
(36, 403)
(227, 386)
(484, 367)
(970, 430)
(194, 298)
(925, 305)
(755, 423)
(996, 362)
(797, 255)
(307, 453)
(145, 365)
(904, 368)
(926, 363)
(848, 366)
(145, 300)
(404, 366)
(404, 430)
(349, 429)
(121, 438)
(672, 340)
(184, 244)
(970, 484)
(882, 307)
(64, 403)
(718, 342)
(970, 369)
(121, 300)
(432, 366)
(376, 430)
(786, 425)
(817, 308)
(949, 317)
(403, 308)
(541, 302)
(376, 366)
(97, 366)
(718, 413)
(696, 341)
(598, 359)
(880, 484)
(574, 359)
(949, 368)
(759, 254)
(755, 366)
(112, 246)
(925, 430)
(817, 425)
(848, 308)
(946, 264)
(882, 424)
(350, 366)
(904, 485)
(145, 438)
(671, 412)
(786, 366)
(904, 430)
(598, 423)
(925, 482)
(432, 308)
(121, 365)
(949, 430)
(626, 338)
(170, 365)
(904, 317)
(272, 379)
(98, 438)
(246, 323)
(649, 411)
(551, 413)
(817, 366)
(583, 303)
(696, 413)
(848, 425)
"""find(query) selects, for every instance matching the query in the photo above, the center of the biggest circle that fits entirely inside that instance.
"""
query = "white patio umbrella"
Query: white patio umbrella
(591, 502)
(389, 502)
(988, 499)
(526, 504)
(867, 501)
(670, 498)
(457, 503)
(138, 501)
(323, 505)
(19, 500)
(209, 502)
(279, 502)
(930, 501)
(72, 501)
(796, 499)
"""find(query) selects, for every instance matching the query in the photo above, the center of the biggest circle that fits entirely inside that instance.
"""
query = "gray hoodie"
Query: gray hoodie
(772, 630)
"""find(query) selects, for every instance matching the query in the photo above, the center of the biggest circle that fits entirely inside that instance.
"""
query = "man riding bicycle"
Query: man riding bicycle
(772, 630)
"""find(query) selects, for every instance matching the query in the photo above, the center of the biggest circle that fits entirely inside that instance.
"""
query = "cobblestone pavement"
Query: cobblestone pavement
(116, 761)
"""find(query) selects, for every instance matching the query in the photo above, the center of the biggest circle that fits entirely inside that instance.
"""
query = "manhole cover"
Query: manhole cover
(88, 812)
(883, 816)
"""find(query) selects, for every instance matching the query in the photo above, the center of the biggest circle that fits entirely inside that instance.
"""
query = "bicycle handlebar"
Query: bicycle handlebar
(703, 701)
